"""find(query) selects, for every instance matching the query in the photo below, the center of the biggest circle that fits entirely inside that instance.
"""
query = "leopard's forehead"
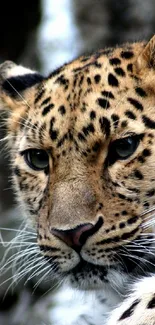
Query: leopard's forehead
(91, 98)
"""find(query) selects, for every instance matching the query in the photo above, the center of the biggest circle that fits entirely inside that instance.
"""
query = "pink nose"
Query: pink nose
(77, 236)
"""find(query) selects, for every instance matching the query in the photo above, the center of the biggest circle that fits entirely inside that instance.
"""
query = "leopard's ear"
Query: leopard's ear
(146, 59)
(14, 81)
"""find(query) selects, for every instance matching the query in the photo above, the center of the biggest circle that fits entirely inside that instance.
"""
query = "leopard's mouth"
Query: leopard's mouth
(134, 261)
(125, 261)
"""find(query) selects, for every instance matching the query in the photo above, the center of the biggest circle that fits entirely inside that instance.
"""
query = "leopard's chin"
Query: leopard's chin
(88, 276)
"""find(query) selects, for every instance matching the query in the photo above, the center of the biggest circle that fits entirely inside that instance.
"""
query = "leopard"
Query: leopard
(82, 152)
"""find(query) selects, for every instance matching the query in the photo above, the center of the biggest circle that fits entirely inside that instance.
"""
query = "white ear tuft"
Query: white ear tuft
(14, 81)
(9, 69)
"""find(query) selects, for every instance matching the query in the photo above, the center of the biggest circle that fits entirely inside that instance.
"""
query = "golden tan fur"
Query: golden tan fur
(98, 94)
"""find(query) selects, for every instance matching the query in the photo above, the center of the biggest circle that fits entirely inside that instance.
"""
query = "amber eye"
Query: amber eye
(123, 148)
(36, 159)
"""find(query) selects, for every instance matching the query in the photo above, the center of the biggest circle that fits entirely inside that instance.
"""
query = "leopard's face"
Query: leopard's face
(83, 156)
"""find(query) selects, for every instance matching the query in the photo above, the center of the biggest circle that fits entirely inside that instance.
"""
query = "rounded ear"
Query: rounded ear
(14, 80)
(147, 57)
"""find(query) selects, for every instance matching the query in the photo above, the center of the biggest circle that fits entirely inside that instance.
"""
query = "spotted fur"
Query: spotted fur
(90, 206)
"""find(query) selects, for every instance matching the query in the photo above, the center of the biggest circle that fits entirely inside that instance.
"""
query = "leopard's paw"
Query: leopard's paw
(139, 308)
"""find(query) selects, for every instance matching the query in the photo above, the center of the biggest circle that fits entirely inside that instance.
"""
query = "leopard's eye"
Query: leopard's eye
(36, 159)
(126, 147)
(122, 149)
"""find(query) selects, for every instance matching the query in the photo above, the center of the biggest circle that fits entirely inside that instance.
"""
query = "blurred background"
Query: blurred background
(44, 34)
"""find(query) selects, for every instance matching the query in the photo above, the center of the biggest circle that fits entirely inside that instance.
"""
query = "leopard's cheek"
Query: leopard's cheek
(28, 184)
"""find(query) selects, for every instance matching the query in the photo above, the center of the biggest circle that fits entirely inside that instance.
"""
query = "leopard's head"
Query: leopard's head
(82, 151)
